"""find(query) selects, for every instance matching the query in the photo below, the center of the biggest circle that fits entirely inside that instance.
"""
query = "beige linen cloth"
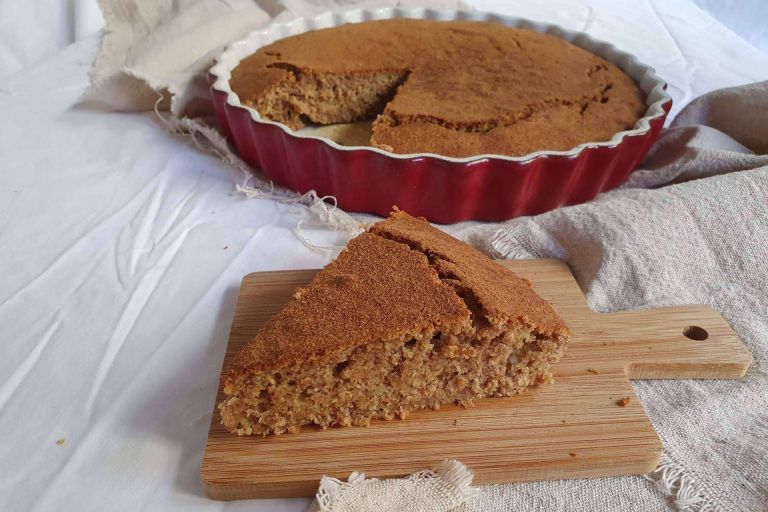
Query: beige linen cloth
(691, 226)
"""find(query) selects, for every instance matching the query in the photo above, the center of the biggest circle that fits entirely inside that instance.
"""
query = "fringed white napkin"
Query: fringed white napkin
(440, 490)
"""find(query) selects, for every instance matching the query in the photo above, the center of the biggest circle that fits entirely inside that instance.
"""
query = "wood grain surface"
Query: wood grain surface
(574, 428)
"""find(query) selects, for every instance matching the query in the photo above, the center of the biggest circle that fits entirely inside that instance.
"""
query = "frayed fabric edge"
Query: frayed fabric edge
(672, 478)
(322, 208)
(458, 477)
(455, 478)
(506, 246)
(452, 476)
(331, 489)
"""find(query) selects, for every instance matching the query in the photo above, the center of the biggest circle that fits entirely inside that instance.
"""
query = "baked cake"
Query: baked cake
(452, 88)
(406, 317)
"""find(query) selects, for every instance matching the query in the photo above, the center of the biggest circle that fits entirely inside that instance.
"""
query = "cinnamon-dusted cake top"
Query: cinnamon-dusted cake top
(399, 278)
(500, 295)
(468, 87)
(375, 289)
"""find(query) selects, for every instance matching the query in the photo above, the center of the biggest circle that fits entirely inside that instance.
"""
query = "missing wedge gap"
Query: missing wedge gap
(305, 98)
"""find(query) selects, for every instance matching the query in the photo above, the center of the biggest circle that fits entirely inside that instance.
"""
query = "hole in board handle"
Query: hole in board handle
(696, 333)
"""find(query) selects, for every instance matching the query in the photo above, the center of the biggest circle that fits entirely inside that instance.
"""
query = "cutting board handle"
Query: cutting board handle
(680, 342)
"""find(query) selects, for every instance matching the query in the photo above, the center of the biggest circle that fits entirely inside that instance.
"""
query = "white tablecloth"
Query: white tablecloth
(121, 250)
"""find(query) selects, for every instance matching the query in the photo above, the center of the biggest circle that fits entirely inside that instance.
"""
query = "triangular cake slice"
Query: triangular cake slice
(406, 317)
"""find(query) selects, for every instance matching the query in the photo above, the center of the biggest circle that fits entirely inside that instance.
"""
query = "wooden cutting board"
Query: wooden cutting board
(574, 428)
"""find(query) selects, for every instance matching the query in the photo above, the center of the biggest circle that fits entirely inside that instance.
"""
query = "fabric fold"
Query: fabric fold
(697, 237)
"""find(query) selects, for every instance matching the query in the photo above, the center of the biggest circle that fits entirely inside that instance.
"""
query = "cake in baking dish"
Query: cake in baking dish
(406, 317)
(452, 88)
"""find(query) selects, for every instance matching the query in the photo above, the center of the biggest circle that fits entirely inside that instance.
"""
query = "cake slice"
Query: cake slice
(406, 317)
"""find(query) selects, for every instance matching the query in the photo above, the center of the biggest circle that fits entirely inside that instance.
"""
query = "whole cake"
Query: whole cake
(452, 88)
(406, 317)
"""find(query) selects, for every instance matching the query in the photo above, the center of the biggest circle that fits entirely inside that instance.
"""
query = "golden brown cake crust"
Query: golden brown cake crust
(374, 289)
(485, 87)
(500, 294)
(384, 284)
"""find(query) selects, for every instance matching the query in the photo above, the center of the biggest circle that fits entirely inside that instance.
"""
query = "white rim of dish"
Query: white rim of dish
(644, 76)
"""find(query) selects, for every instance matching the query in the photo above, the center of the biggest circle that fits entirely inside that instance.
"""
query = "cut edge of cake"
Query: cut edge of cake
(301, 97)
